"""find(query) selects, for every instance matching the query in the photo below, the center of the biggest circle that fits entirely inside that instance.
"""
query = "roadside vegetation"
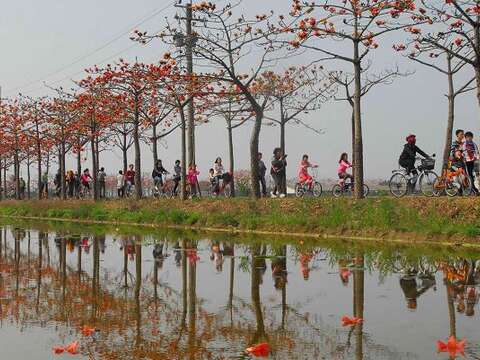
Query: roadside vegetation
(412, 219)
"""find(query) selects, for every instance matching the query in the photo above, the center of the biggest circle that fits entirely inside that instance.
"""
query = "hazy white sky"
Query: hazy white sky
(52, 41)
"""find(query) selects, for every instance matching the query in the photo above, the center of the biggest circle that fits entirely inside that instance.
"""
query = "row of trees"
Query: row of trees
(125, 104)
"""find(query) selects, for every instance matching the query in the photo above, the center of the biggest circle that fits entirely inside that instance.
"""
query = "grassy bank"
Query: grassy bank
(455, 220)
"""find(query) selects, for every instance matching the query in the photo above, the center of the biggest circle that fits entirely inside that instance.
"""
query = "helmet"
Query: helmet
(411, 139)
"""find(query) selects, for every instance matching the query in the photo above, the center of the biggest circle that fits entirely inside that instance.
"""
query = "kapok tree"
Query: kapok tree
(228, 45)
(97, 109)
(449, 66)
(12, 125)
(132, 86)
(359, 25)
(455, 31)
(295, 92)
(370, 81)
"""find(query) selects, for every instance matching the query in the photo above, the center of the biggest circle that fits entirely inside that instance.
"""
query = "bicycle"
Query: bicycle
(84, 192)
(224, 189)
(401, 181)
(342, 188)
(129, 190)
(164, 191)
(453, 183)
(315, 189)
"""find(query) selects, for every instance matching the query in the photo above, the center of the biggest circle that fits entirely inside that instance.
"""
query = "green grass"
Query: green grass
(382, 217)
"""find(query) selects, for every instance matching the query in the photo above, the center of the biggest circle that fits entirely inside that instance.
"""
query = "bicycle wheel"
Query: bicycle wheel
(451, 188)
(337, 191)
(427, 183)
(398, 185)
(299, 190)
(317, 189)
(366, 190)
(227, 191)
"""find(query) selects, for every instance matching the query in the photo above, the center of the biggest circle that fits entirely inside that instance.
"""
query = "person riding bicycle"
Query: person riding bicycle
(409, 154)
(343, 166)
(85, 179)
(303, 176)
(157, 175)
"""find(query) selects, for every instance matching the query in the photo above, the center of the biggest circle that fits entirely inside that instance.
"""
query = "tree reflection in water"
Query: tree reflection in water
(148, 304)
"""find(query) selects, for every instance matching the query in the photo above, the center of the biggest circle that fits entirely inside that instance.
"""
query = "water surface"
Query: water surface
(174, 295)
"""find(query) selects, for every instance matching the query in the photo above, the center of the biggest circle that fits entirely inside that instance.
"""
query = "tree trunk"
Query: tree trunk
(477, 57)
(154, 144)
(231, 155)
(28, 178)
(39, 162)
(282, 146)
(184, 155)
(16, 167)
(79, 158)
(353, 137)
(2, 191)
(94, 167)
(358, 303)
(451, 114)
(254, 176)
(136, 141)
(358, 145)
(63, 185)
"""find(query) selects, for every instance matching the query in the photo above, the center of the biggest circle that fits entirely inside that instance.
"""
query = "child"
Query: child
(213, 181)
(120, 184)
(303, 176)
(457, 162)
(193, 179)
(343, 166)
(471, 155)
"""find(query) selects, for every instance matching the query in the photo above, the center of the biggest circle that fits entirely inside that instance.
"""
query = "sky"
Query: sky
(53, 41)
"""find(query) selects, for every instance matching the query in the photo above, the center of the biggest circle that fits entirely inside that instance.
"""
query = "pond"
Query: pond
(148, 294)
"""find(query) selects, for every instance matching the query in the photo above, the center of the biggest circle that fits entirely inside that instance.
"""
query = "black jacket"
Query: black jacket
(409, 153)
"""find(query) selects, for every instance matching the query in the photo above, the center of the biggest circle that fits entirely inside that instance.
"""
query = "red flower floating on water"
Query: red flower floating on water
(58, 350)
(351, 321)
(259, 350)
(87, 331)
(70, 348)
(451, 346)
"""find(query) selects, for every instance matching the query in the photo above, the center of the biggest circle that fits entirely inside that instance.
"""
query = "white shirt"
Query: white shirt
(120, 181)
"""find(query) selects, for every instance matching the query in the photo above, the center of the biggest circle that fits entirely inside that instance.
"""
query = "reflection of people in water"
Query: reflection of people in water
(158, 255)
(279, 271)
(412, 290)
(178, 254)
(344, 271)
(461, 280)
(217, 256)
(305, 259)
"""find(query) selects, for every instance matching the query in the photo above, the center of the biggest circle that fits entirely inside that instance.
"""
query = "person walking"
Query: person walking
(120, 184)
(262, 171)
(471, 156)
(278, 172)
(102, 178)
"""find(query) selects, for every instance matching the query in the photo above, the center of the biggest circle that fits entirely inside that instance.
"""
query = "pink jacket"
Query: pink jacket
(343, 166)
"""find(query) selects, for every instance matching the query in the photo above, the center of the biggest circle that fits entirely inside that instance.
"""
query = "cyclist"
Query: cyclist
(409, 153)
(343, 166)
(129, 178)
(157, 175)
(471, 154)
(303, 176)
(85, 179)
(458, 142)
